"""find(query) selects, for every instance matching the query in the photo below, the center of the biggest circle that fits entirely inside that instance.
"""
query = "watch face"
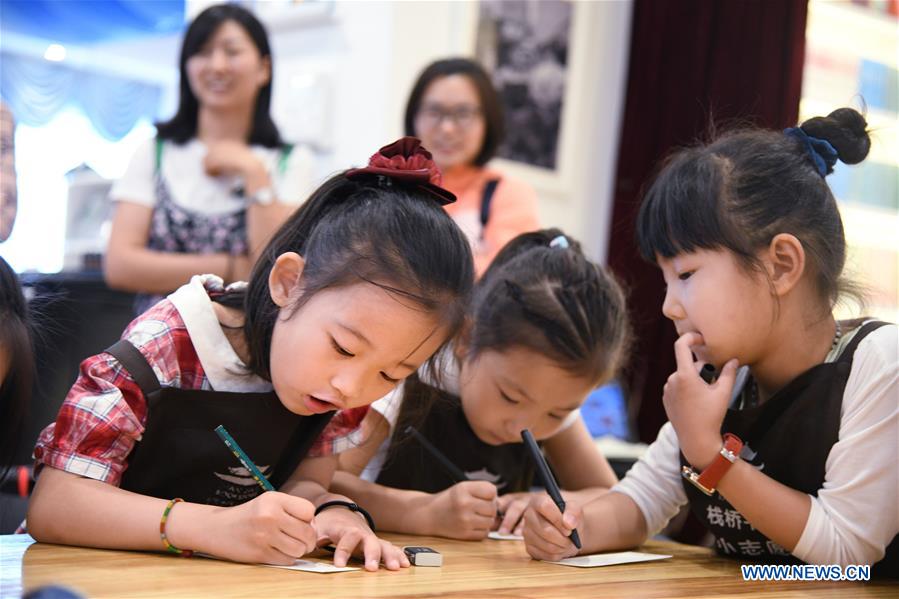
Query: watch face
(264, 196)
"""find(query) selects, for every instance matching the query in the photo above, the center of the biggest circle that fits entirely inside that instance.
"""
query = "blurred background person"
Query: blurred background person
(8, 195)
(218, 180)
(455, 111)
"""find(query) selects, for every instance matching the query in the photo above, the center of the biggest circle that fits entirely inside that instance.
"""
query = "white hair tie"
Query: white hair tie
(560, 242)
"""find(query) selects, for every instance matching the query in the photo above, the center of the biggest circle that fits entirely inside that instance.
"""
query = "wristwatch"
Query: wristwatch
(714, 472)
(264, 195)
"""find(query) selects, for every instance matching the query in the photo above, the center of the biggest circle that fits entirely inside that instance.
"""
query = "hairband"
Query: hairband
(822, 153)
(406, 162)
(560, 242)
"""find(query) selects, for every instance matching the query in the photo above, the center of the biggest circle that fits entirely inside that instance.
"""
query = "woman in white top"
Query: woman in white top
(218, 180)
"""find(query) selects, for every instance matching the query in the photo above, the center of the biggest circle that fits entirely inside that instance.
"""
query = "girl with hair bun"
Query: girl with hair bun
(790, 455)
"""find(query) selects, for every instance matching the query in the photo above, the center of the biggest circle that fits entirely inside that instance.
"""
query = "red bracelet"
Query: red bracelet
(165, 540)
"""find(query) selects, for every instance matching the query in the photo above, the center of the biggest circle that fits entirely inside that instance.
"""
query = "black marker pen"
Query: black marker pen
(548, 481)
(708, 373)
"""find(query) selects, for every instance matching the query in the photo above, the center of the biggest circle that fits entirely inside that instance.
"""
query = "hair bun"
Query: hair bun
(406, 161)
(845, 129)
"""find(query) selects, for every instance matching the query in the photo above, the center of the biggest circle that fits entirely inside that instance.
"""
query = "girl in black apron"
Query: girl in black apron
(361, 286)
(545, 328)
(802, 465)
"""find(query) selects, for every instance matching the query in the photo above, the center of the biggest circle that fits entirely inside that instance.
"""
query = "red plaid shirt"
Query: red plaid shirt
(104, 413)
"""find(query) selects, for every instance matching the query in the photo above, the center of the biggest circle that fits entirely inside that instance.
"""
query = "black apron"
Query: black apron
(409, 466)
(788, 438)
(180, 455)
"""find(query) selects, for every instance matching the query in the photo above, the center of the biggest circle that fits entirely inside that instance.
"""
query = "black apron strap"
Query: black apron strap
(849, 351)
(486, 199)
(136, 365)
(776, 409)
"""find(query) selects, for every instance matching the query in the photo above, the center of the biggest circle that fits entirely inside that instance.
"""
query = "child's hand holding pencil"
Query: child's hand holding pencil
(512, 507)
(466, 510)
(274, 528)
(547, 531)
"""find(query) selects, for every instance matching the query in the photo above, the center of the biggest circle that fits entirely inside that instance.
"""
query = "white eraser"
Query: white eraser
(423, 556)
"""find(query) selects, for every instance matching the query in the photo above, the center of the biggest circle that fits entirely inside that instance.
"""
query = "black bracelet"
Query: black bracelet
(348, 505)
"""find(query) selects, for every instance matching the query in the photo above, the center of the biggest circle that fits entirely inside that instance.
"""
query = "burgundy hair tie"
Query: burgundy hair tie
(406, 162)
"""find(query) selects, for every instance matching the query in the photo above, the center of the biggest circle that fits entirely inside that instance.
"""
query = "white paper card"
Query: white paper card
(498, 536)
(301, 565)
(305, 565)
(609, 559)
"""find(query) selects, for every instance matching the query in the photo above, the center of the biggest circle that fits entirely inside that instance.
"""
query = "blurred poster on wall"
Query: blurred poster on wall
(524, 45)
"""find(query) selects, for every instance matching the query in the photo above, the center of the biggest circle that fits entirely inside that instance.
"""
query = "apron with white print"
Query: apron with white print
(180, 455)
(788, 438)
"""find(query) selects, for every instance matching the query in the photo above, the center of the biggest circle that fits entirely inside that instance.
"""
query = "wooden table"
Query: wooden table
(484, 569)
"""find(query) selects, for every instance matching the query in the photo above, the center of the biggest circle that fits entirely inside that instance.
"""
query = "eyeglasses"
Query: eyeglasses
(431, 116)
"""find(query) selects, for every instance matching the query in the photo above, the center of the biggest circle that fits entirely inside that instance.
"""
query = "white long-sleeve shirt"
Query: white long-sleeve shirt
(856, 513)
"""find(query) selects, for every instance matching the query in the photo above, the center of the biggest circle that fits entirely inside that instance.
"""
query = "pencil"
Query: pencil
(451, 469)
(548, 481)
(244, 458)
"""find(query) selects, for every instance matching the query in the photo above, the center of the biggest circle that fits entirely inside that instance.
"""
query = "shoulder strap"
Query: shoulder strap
(157, 164)
(486, 199)
(286, 149)
(849, 351)
(136, 365)
(844, 362)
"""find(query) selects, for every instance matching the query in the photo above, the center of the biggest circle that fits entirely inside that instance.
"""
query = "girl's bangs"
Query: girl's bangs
(680, 212)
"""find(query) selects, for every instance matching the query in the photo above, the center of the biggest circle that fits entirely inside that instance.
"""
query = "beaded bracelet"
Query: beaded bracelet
(165, 540)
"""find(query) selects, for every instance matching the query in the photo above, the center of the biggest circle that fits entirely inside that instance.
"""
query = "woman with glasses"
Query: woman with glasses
(456, 112)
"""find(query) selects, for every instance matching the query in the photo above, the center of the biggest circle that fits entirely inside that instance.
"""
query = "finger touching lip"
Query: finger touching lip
(691, 338)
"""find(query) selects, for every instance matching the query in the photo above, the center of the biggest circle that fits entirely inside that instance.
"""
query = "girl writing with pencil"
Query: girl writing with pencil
(545, 327)
(357, 290)
(801, 465)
